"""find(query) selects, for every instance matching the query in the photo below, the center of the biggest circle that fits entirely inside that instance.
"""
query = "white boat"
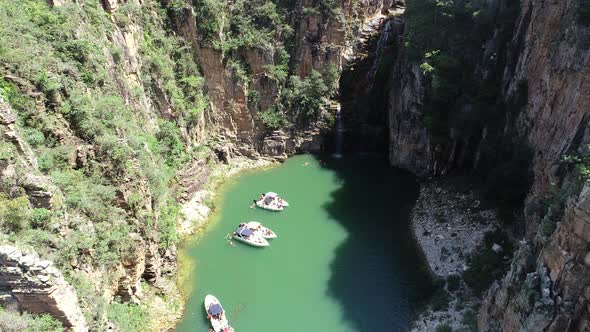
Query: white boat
(276, 196)
(216, 314)
(272, 206)
(246, 235)
(265, 232)
(271, 201)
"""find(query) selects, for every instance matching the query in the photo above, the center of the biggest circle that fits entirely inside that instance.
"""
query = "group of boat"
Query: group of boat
(254, 234)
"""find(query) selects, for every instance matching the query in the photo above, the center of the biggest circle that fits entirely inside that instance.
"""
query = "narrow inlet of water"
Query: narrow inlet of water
(344, 260)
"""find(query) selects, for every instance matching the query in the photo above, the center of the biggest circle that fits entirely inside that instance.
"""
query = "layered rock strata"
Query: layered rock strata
(39, 287)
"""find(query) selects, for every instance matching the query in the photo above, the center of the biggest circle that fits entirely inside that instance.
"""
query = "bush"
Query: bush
(272, 118)
(58, 158)
(15, 322)
(507, 177)
(470, 320)
(128, 317)
(10, 92)
(112, 242)
(33, 136)
(440, 300)
(41, 239)
(88, 195)
(583, 12)
(7, 151)
(40, 218)
(170, 143)
(167, 225)
(453, 282)
(14, 213)
(485, 265)
(444, 328)
(305, 98)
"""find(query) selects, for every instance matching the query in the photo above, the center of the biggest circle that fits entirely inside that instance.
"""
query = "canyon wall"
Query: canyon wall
(322, 37)
(547, 286)
(39, 287)
(553, 53)
(118, 114)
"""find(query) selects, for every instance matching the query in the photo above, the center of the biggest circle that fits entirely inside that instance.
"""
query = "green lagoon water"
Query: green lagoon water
(344, 259)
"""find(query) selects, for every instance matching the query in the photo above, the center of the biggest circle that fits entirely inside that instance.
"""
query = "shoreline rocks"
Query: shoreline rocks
(448, 226)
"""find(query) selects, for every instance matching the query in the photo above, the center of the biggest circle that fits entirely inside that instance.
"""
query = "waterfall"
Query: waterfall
(382, 44)
(338, 134)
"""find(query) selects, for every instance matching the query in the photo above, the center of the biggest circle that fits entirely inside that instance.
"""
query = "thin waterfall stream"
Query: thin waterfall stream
(338, 134)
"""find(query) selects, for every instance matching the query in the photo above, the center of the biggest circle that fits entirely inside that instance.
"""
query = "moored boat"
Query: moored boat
(216, 314)
(277, 197)
(271, 201)
(246, 235)
(272, 206)
(265, 232)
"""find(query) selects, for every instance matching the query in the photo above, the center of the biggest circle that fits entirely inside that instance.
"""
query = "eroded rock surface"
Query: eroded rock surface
(39, 287)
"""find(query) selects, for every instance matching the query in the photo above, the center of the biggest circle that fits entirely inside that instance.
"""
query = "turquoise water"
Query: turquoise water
(344, 259)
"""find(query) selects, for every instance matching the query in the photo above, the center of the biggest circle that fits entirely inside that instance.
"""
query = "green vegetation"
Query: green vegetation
(128, 317)
(14, 213)
(553, 206)
(245, 24)
(485, 265)
(453, 282)
(40, 218)
(11, 321)
(261, 27)
(273, 118)
(440, 300)
(439, 297)
(512, 171)
(460, 104)
(304, 99)
(459, 100)
(583, 12)
(444, 328)
(65, 76)
(470, 320)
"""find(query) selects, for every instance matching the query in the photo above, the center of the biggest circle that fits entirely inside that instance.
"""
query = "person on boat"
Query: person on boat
(261, 196)
(253, 204)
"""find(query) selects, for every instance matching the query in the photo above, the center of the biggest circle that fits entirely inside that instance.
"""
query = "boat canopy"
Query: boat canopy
(215, 309)
(244, 231)
(271, 194)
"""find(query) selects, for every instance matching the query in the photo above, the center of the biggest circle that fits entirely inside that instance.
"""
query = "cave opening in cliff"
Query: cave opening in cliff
(363, 93)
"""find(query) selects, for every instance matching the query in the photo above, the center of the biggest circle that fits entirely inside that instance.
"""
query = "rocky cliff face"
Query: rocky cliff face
(322, 37)
(547, 286)
(119, 119)
(38, 287)
(553, 55)
(365, 81)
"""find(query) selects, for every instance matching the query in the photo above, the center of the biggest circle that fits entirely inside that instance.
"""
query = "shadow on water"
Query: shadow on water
(379, 273)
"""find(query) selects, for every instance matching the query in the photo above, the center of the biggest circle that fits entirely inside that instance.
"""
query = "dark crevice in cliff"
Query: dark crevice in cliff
(364, 86)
